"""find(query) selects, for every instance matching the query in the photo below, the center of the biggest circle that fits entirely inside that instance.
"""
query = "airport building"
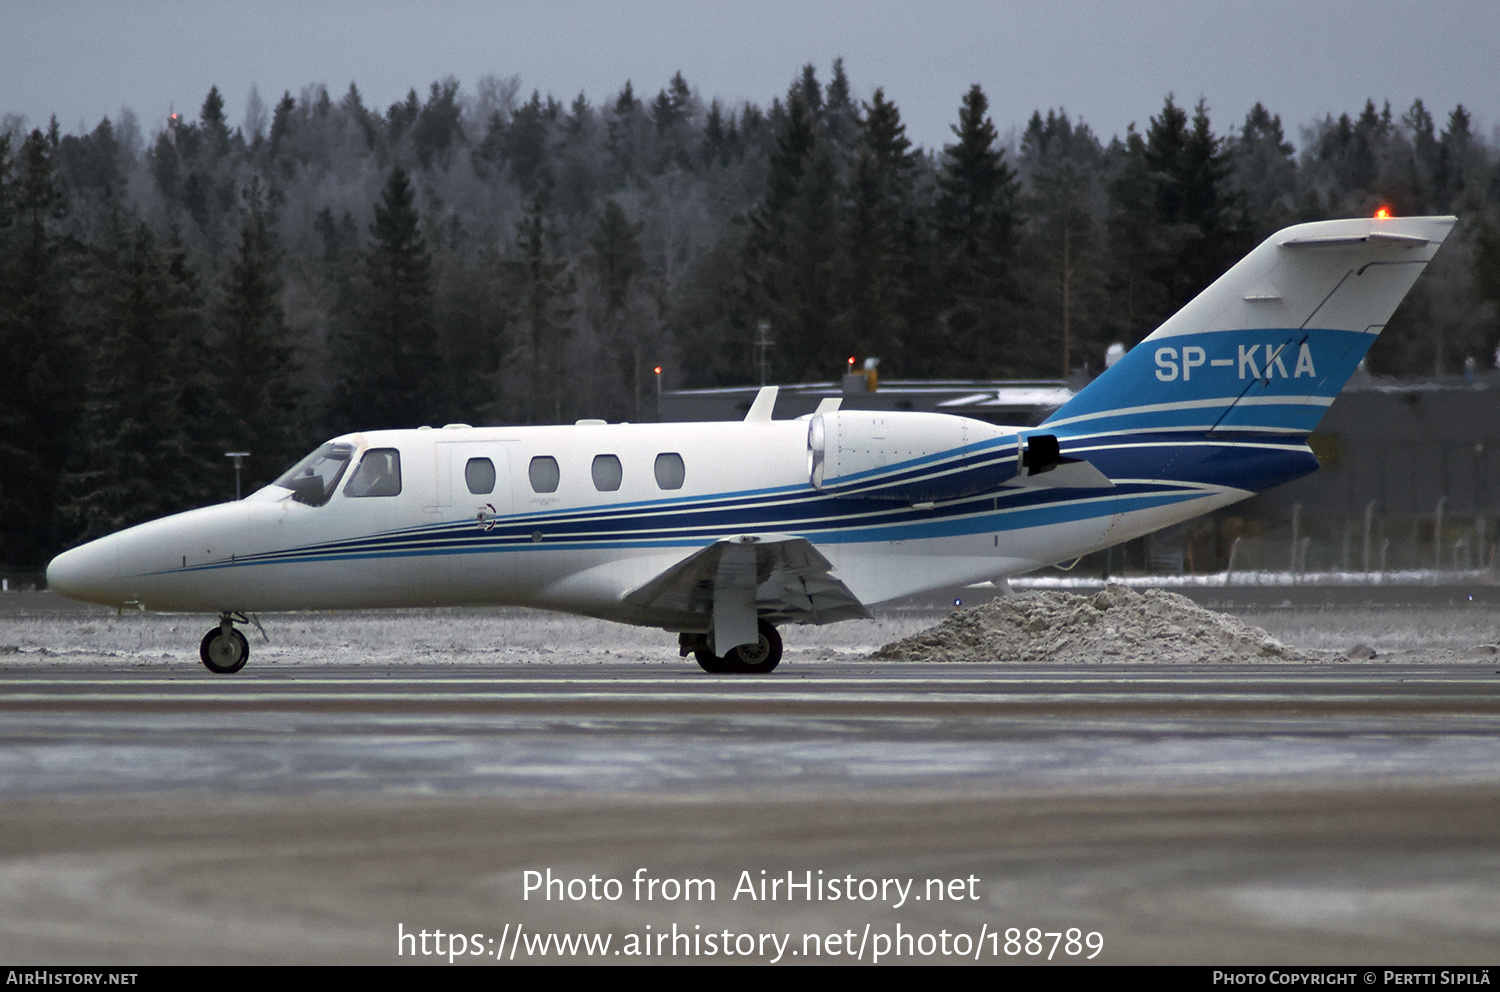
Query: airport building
(1409, 478)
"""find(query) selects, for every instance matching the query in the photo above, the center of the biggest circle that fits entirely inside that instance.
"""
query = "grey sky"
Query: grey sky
(1107, 63)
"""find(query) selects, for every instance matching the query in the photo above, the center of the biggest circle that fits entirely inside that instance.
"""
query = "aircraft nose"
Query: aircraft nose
(90, 573)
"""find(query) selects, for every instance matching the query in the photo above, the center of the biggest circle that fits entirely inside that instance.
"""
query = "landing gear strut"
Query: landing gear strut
(762, 656)
(224, 650)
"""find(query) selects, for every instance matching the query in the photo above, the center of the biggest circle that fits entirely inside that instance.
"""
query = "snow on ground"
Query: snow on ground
(1256, 580)
(1160, 627)
(398, 637)
(1116, 624)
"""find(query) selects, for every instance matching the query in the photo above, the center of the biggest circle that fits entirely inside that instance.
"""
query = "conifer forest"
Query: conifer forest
(180, 288)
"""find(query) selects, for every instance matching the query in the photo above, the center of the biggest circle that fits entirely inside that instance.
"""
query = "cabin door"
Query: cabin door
(474, 504)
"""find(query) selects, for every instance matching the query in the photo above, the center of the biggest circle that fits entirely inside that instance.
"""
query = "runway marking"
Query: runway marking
(771, 683)
(752, 700)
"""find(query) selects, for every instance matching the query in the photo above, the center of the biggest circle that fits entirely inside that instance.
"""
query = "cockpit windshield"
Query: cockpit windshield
(314, 478)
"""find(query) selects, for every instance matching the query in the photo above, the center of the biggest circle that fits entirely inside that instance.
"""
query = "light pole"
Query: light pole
(239, 457)
(763, 343)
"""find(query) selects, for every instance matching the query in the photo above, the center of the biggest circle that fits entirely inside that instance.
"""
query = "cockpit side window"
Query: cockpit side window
(314, 478)
(379, 474)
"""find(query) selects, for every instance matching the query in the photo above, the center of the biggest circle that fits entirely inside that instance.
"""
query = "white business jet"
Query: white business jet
(723, 531)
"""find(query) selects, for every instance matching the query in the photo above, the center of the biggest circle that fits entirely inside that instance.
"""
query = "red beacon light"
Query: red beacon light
(1384, 213)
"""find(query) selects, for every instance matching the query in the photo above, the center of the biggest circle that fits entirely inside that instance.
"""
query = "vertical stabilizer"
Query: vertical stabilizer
(1270, 343)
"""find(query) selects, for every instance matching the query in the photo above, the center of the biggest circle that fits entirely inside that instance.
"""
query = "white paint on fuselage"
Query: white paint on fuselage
(196, 560)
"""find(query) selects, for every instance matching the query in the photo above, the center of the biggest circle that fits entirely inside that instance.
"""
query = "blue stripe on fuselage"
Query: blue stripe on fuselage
(1162, 468)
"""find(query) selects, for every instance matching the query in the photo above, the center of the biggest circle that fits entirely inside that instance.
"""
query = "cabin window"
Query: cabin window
(379, 474)
(544, 474)
(314, 478)
(607, 473)
(669, 470)
(479, 474)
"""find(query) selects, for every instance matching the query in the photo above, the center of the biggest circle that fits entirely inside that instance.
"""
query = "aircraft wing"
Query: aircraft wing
(737, 580)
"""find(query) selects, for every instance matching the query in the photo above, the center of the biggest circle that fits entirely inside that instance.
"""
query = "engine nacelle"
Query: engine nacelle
(907, 457)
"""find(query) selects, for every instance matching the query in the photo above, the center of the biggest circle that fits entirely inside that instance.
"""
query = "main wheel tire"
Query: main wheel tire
(224, 655)
(760, 657)
(710, 662)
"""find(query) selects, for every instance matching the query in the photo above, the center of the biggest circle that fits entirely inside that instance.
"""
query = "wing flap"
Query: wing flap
(791, 581)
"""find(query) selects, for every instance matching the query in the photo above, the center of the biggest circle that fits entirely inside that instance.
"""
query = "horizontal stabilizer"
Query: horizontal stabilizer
(1375, 237)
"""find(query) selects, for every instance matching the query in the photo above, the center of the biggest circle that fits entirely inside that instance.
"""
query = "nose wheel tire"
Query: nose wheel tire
(224, 650)
(747, 659)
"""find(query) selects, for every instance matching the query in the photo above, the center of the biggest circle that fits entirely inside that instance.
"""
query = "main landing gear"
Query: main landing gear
(762, 656)
(224, 649)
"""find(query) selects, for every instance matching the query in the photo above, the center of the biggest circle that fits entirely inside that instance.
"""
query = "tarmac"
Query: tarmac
(371, 781)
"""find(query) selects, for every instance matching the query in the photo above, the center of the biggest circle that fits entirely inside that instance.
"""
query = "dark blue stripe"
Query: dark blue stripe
(838, 519)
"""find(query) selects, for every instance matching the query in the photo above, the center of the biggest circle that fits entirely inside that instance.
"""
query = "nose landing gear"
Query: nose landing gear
(224, 649)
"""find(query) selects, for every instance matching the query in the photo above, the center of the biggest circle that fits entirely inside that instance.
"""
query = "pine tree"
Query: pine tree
(541, 288)
(259, 404)
(388, 353)
(876, 318)
(794, 261)
(90, 166)
(1063, 267)
(1421, 163)
(1208, 205)
(841, 113)
(399, 117)
(215, 128)
(524, 147)
(1166, 155)
(623, 138)
(715, 140)
(38, 349)
(617, 263)
(1461, 160)
(438, 128)
(1263, 172)
(283, 125)
(1195, 234)
(671, 114)
(976, 231)
(1141, 244)
(469, 321)
(135, 455)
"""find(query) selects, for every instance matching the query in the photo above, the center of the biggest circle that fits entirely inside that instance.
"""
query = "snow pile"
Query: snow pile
(1116, 624)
